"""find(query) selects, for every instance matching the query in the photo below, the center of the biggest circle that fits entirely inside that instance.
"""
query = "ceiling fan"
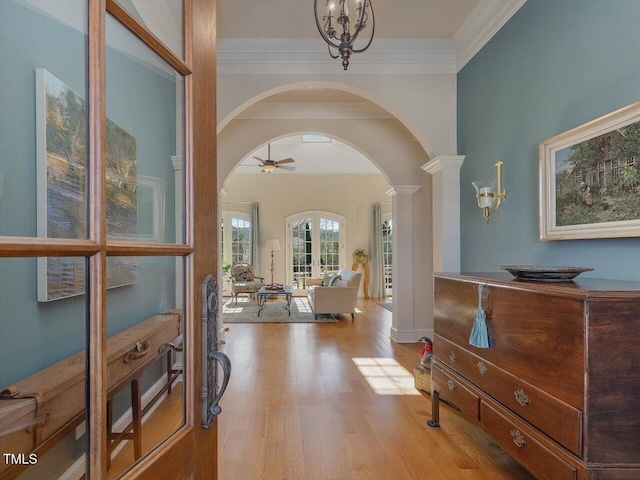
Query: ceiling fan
(269, 165)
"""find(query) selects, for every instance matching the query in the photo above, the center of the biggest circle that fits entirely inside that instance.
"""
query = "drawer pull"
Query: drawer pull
(451, 385)
(482, 367)
(518, 439)
(452, 356)
(139, 351)
(521, 397)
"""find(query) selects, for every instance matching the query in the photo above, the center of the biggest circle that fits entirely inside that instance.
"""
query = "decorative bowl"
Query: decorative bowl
(545, 272)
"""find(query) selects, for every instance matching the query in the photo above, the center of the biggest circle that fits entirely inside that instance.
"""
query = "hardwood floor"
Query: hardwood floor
(328, 401)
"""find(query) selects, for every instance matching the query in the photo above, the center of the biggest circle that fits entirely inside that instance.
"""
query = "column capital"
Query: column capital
(177, 162)
(394, 190)
(443, 161)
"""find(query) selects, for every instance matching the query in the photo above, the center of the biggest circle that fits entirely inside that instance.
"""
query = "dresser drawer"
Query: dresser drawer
(536, 337)
(555, 418)
(453, 392)
(516, 439)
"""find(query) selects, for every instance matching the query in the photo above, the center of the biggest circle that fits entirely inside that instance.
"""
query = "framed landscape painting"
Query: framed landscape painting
(61, 188)
(590, 179)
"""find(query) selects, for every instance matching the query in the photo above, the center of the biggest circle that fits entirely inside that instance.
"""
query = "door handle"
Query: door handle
(212, 391)
(225, 362)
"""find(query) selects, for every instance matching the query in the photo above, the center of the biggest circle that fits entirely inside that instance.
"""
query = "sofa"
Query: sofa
(339, 298)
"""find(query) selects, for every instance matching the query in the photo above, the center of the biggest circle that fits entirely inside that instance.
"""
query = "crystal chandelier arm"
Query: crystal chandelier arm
(373, 27)
(322, 33)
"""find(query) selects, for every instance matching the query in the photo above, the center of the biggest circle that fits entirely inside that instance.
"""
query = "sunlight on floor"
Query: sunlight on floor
(231, 307)
(303, 304)
(386, 376)
(358, 310)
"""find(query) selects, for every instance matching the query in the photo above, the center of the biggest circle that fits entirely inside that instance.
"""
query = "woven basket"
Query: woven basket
(422, 378)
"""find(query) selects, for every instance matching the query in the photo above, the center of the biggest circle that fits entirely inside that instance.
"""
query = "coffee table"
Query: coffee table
(263, 294)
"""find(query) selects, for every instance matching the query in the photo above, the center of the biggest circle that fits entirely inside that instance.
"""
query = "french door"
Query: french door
(316, 244)
(106, 159)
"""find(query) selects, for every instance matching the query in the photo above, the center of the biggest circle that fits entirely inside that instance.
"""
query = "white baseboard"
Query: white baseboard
(403, 336)
(78, 469)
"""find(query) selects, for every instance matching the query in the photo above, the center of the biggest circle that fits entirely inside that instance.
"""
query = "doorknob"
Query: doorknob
(212, 391)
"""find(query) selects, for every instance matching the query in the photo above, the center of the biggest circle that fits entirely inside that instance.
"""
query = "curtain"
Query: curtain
(376, 259)
(255, 238)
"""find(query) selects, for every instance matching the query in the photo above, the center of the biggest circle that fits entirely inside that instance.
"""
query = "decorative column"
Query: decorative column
(445, 172)
(402, 325)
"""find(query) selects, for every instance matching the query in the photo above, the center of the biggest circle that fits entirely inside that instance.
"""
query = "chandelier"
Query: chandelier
(336, 15)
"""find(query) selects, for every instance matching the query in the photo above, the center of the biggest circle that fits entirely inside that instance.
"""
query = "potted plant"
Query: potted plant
(360, 255)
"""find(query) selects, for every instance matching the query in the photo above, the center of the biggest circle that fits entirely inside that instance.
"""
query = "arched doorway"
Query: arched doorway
(395, 151)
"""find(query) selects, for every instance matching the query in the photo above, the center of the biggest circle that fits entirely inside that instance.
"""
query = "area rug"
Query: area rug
(386, 305)
(247, 312)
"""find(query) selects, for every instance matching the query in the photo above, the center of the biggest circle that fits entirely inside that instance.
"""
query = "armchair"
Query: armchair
(244, 280)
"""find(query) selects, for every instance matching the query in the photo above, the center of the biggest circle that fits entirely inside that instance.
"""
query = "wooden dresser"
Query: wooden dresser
(559, 386)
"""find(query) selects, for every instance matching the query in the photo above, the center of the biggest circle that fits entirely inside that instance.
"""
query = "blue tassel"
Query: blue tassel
(479, 336)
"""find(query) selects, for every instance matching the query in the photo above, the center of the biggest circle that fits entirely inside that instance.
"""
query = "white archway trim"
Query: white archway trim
(250, 150)
(337, 86)
(385, 142)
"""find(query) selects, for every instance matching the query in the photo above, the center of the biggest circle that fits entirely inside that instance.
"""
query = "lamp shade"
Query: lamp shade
(273, 245)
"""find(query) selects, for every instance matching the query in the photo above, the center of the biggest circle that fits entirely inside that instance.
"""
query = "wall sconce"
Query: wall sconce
(489, 197)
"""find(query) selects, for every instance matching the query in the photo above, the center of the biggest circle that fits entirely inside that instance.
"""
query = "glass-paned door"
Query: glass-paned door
(101, 180)
(387, 255)
(301, 240)
(315, 246)
(329, 245)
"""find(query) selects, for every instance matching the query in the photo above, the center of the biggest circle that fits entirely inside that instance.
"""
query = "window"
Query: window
(387, 255)
(236, 237)
(315, 246)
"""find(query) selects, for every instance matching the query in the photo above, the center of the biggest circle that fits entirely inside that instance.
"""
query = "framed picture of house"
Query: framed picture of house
(590, 179)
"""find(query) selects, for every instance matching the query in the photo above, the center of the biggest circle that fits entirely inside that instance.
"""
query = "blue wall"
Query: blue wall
(555, 65)
(140, 99)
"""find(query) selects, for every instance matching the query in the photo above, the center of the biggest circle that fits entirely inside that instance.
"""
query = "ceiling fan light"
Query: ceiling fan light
(269, 168)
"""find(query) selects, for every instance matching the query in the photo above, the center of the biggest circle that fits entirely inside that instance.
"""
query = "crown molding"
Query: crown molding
(443, 161)
(299, 110)
(480, 26)
(420, 56)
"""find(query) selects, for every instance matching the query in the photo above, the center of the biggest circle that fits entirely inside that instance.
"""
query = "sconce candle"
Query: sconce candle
(489, 197)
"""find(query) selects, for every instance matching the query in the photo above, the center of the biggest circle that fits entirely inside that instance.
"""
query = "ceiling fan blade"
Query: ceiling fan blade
(260, 160)
(289, 169)
(286, 160)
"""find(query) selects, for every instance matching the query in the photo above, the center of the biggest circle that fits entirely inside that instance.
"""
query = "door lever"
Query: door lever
(212, 391)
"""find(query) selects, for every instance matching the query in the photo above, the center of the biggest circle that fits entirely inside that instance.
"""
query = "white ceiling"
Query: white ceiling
(335, 157)
(295, 19)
